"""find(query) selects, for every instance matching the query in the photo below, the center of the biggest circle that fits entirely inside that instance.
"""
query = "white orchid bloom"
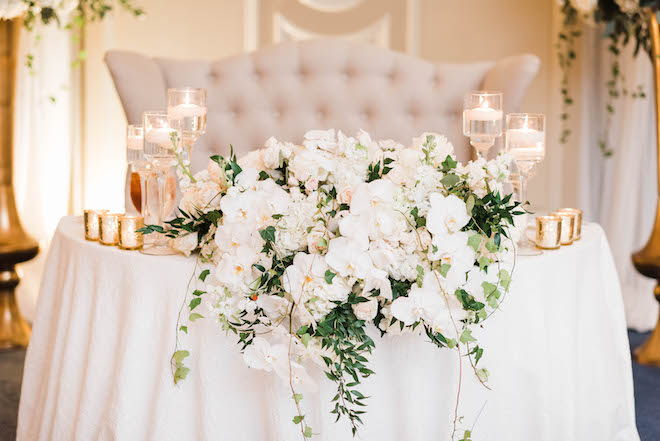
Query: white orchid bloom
(453, 250)
(275, 307)
(348, 258)
(448, 214)
(235, 270)
(307, 270)
(377, 279)
(262, 355)
(425, 304)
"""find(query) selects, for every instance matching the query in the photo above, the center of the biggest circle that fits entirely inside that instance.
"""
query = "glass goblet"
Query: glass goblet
(525, 142)
(188, 105)
(482, 119)
(162, 138)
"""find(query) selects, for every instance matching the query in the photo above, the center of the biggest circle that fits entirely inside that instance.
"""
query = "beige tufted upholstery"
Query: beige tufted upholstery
(287, 89)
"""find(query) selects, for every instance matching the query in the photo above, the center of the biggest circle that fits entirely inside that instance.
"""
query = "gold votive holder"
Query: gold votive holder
(567, 226)
(548, 232)
(109, 228)
(91, 222)
(577, 233)
(129, 238)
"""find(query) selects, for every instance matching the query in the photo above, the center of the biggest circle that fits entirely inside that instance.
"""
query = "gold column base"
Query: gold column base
(649, 352)
(14, 330)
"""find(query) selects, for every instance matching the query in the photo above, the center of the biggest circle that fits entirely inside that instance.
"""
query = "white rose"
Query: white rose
(345, 194)
(366, 310)
(312, 184)
(185, 244)
(316, 240)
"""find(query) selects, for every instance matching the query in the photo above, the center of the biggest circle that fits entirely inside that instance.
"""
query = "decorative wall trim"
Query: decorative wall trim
(382, 32)
(377, 33)
(331, 5)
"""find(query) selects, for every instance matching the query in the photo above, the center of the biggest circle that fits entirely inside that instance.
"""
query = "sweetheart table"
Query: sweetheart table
(98, 368)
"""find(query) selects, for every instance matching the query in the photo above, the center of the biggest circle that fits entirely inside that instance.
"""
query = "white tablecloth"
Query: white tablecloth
(97, 367)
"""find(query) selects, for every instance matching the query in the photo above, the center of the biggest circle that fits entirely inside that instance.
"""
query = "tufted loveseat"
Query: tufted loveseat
(287, 89)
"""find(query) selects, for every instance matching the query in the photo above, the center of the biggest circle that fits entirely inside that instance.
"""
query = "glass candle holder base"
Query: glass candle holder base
(158, 250)
(526, 247)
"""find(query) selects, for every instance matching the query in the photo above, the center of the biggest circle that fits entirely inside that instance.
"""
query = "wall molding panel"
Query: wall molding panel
(390, 24)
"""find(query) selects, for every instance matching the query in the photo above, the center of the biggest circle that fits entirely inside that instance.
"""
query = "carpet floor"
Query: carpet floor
(647, 393)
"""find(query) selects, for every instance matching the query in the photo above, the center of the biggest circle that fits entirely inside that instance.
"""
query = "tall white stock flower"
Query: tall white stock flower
(448, 214)
(423, 303)
(348, 258)
(275, 153)
(434, 146)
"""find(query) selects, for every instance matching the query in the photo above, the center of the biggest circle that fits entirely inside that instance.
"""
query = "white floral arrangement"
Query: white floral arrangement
(305, 247)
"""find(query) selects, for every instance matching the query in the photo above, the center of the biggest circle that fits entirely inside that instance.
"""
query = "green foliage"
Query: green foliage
(329, 275)
(346, 336)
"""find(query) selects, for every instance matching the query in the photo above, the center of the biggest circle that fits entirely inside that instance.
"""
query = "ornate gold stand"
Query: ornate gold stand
(15, 245)
(647, 260)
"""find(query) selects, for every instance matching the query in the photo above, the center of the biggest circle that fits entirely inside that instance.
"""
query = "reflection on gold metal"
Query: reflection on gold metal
(15, 245)
(647, 260)
(548, 232)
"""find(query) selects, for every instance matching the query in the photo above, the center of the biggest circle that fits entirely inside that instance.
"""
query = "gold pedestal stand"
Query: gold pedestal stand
(15, 245)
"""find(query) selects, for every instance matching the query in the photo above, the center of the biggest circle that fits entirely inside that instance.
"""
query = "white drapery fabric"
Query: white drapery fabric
(45, 158)
(619, 192)
(98, 366)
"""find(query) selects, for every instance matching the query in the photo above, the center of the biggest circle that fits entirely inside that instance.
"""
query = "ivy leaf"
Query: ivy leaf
(204, 274)
(297, 398)
(474, 241)
(305, 338)
(490, 246)
(268, 234)
(505, 279)
(449, 163)
(180, 374)
(420, 275)
(194, 316)
(329, 275)
(298, 418)
(183, 329)
(469, 204)
(444, 269)
(194, 303)
(308, 432)
(179, 356)
(466, 336)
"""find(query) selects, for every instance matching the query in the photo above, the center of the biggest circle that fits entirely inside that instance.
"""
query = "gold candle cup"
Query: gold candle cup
(567, 226)
(109, 228)
(577, 233)
(129, 238)
(548, 232)
(91, 222)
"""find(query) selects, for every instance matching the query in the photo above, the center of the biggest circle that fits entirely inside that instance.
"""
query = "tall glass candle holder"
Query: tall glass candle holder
(162, 148)
(525, 142)
(137, 165)
(188, 105)
(482, 119)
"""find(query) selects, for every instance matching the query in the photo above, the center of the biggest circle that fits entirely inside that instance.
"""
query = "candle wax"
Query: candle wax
(186, 111)
(161, 136)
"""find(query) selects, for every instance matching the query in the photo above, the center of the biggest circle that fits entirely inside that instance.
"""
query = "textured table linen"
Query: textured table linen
(97, 367)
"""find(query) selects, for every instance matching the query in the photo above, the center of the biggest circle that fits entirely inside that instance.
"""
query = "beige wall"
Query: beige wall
(449, 30)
